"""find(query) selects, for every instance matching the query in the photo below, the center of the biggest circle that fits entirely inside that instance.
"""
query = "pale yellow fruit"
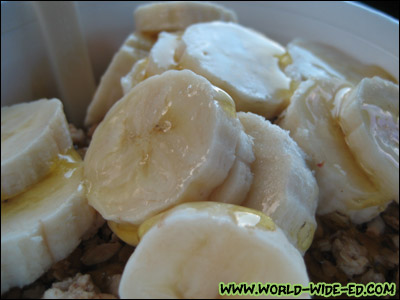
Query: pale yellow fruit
(188, 250)
(343, 184)
(283, 187)
(171, 139)
(44, 224)
(369, 117)
(109, 91)
(177, 15)
(307, 60)
(32, 135)
(240, 61)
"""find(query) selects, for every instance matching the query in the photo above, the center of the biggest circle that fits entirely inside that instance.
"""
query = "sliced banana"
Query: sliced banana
(233, 190)
(263, 88)
(162, 55)
(369, 117)
(175, 16)
(240, 61)
(188, 250)
(136, 75)
(32, 135)
(171, 139)
(343, 185)
(283, 186)
(44, 224)
(307, 60)
(161, 58)
(135, 47)
(236, 186)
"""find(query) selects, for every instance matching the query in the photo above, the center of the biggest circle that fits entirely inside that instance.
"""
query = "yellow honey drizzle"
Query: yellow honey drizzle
(242, 216)
(305, 236)
(225, 102)
(126, 232)
(62, 168)
(284, 60)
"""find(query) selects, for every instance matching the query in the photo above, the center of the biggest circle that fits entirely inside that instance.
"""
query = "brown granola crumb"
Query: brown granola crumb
(99, 253)
(344, 252)
(78, 135)
(376, 227)
(79, 287)
(350, 255)
(391, 216)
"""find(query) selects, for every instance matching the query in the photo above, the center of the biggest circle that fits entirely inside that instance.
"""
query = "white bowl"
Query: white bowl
(29, 67)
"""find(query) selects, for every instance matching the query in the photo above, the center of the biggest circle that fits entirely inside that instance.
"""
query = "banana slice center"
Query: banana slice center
(171, 139)
(384, 130)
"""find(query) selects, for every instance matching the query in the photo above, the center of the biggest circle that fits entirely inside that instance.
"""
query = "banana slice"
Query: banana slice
(369, 118)
(136, 75)
(236, 186)
(135, 47)
(283, 187)
(306, 60)
(161, 58)
(32, 134)
(233, 190)
(240, 61)
(263, 88)
(162, 55)
(175, 16)
(343, 185)
(188, 250)
(44, 224)
(171, 139)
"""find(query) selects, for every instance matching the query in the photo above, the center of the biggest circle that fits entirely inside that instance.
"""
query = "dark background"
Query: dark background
(389, 7)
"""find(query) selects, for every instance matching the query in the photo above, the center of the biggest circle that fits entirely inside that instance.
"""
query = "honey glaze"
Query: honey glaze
(63, 170)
